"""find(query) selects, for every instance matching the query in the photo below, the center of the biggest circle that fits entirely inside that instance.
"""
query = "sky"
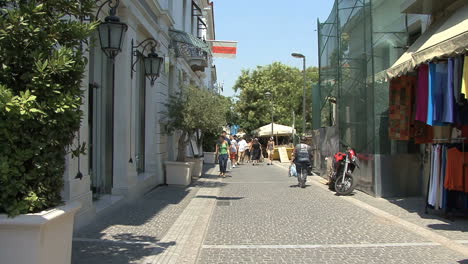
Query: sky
(267, 31)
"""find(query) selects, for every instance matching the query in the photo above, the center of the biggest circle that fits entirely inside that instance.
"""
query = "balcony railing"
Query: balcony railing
(194, 50)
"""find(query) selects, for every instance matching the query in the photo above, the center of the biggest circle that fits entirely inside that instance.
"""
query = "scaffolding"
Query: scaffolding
(359, 40)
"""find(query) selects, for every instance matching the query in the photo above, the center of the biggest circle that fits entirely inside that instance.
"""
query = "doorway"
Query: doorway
(101, 122)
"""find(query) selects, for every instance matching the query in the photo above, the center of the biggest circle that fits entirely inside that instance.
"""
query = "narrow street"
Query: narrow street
(259, 216)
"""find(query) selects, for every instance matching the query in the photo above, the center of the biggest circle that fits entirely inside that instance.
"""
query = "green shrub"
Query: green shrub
(209, 141)
(41, 70)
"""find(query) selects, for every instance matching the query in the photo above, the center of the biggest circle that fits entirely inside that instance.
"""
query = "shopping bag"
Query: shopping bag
(292, 170)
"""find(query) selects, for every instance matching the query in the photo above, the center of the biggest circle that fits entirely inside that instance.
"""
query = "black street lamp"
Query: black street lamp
(269, 96)
(301, 56)
(111, 31)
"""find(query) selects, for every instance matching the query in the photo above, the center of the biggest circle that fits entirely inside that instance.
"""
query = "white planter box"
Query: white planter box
(178, 173)
(209, 158)
(197, 169)
(41, 238)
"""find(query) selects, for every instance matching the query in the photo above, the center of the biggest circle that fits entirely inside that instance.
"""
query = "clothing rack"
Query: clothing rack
(446, 141)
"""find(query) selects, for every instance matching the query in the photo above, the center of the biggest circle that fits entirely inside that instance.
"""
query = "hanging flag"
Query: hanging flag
(224, 49)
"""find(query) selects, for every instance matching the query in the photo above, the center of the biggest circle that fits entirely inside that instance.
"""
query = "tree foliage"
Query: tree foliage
(194, 110)
(285, 83)
(41, 68)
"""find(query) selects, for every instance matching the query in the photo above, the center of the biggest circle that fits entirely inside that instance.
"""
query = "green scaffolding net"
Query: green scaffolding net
(359, 40)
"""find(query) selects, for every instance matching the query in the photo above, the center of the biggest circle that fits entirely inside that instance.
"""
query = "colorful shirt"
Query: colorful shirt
(421, 98)
(223, 148)
(464, 84)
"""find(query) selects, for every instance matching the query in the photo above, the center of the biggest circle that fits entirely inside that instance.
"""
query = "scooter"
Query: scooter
(341, 178)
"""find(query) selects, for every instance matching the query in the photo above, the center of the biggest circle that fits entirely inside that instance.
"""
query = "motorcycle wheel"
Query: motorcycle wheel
(347, 187)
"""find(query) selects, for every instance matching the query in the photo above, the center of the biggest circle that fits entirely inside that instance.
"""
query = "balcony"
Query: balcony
(428, 7)
(194, 50)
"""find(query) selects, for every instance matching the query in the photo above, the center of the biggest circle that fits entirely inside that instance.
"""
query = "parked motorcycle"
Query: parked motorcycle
(341, 178)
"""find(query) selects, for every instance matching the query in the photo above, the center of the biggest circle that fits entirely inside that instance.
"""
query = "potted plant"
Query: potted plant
(41, 72)
(197, 158)
(192, 111)
(209, 148)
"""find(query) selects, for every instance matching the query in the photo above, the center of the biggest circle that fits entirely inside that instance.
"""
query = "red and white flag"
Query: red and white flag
(224, 49)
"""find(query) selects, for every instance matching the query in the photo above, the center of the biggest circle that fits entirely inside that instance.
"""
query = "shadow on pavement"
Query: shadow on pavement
(126, 249)
(220, 198)
(451, 221)
(297, 186)
(131, 231)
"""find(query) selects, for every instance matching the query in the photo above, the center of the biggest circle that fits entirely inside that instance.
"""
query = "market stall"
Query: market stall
(282, 134)
(428, 104)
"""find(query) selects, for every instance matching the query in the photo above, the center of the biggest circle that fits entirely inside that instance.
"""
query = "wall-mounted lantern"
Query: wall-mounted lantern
(111, 31)
(152, 62)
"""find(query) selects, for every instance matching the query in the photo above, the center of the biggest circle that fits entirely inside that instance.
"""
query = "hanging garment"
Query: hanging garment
(423, 133)
(439, 91)
(434, 183)
(430, 97)
(442, 132)
(462, 118)
(422, 93)
(430, 193)
(464, 84)
(437, 177)
(455, 170)
(440, 187)
(401, 101)
(448, 95)
(457, 78)
(464, 132)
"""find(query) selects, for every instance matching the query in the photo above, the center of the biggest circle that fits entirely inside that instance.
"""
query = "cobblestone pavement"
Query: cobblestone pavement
(262, 217)
(133, 231)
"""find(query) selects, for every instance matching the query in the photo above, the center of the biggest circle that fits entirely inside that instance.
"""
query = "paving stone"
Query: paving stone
(267, 209)
(133, 231)
(410, 255)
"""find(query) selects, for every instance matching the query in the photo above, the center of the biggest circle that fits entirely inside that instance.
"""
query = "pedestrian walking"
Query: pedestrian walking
(222, 150)
(242, 149)
(247, 150)
(302, 158)
(234, 149)
(256, 152)
(224, 134)
(270, 150)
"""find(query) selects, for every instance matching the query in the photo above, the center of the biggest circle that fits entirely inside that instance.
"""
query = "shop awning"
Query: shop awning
(278, 130)
(446, 37)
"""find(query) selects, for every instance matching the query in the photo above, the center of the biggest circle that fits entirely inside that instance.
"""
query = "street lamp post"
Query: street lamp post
(301, 56)
(269, 96)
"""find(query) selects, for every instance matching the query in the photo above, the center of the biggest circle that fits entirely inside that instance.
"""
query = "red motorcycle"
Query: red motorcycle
(341, 178)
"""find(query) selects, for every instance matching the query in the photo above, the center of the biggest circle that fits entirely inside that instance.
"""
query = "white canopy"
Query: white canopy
(446, 37)
(278, 130)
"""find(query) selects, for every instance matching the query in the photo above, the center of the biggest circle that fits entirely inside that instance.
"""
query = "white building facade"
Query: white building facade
(123, 124)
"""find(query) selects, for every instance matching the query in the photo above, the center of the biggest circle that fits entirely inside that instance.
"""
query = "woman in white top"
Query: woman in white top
(242, 148)
(270, 150)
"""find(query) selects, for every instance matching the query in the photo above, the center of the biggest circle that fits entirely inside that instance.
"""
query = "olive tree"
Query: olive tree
(194, 111)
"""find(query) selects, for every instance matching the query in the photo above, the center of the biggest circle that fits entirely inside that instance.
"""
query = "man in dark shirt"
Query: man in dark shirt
(302, 158)
(224, 134)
